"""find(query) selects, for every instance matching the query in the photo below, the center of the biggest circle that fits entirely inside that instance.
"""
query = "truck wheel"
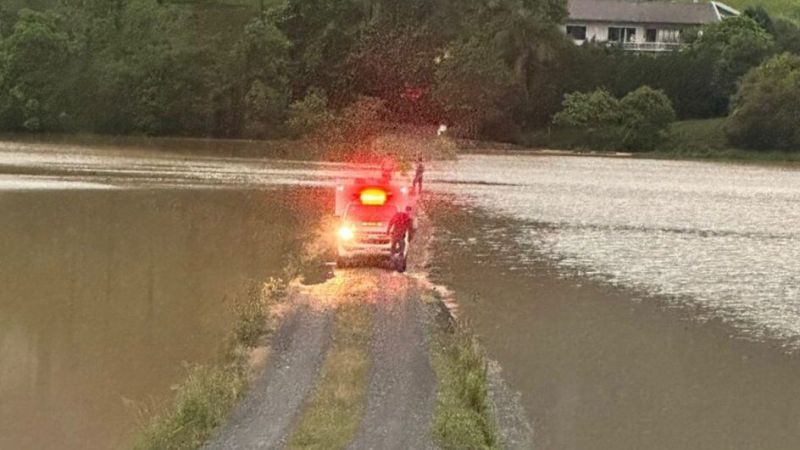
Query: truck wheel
(401, 264)
(341, 263)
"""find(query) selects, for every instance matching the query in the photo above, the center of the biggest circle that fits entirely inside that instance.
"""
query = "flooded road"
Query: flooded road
(106, 293)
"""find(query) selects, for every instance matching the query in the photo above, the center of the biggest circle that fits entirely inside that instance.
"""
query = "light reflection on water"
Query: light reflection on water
(722, 237)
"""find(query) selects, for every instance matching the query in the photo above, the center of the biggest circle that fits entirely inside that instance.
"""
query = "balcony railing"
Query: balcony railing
(650, 46)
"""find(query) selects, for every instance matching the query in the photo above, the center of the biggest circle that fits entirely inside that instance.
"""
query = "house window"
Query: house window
(620, 34)
(577, 32)
(650, 35)
(670, 35)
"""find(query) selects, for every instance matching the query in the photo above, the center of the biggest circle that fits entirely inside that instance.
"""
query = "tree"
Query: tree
(767, 106)
(397, 65)
(731, 48)
(761, 17)
(475, 88)
(787, 35)
(260, 74)
(35, 74)
(322, 35)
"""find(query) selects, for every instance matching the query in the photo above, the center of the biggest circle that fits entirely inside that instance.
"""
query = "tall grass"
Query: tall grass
(463, 417)
(206, 396)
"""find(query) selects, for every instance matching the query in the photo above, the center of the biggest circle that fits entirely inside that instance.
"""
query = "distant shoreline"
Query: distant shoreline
(302, 150)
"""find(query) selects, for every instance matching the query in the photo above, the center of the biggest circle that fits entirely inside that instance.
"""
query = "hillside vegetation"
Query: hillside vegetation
(335, 71)
(788, 8)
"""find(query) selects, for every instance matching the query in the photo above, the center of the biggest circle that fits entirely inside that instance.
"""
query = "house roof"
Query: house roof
(643, 12)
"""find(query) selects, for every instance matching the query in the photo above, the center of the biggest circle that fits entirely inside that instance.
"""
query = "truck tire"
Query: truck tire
(341, 263)
(401, 264)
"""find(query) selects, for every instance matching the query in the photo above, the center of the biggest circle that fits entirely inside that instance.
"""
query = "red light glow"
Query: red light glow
(373, 197)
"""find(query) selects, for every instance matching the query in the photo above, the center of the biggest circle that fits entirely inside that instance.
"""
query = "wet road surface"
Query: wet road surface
(402, 389)
(264, 419)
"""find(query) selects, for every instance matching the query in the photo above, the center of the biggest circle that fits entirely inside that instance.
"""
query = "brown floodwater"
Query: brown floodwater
(106, 294)
(605, 367)
(633, 303)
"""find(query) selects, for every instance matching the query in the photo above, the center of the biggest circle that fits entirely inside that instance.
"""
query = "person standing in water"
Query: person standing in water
(418, 176)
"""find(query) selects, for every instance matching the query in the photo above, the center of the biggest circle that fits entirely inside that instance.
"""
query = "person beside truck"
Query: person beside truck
(399, 226)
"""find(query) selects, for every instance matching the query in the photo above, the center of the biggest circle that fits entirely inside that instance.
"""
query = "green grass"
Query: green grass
(705, 139)
(695, 135)
(331, 418)
(463, 418)
(206, 396)
(688, 139)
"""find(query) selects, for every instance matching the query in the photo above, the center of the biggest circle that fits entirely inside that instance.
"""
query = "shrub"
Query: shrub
(637, 122)
(645, 115)
(309, 114)
(582, 110)
(767, 106)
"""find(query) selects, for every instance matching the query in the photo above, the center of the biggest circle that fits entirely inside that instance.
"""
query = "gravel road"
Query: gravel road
(401, 392)
(402, 389)
(264, 419)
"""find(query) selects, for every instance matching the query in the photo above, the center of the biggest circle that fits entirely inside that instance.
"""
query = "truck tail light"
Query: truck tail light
(373, 197)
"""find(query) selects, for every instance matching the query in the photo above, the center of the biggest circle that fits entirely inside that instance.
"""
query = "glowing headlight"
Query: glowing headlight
(345, 233)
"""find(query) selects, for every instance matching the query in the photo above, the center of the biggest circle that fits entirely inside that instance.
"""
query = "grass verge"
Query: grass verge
(688, 139)
(463, 417)
(205, 398)
(331, 417)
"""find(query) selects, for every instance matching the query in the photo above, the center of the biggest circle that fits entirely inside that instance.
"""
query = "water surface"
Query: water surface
(107, 292)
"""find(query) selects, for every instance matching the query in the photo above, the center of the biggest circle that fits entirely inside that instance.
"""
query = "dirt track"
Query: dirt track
(401, 392)
(265, 417)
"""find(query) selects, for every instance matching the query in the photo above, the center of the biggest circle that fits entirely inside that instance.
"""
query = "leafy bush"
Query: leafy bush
(309, 114)
(588, 110)
(645, 115)
(767, 106)
(637, 122)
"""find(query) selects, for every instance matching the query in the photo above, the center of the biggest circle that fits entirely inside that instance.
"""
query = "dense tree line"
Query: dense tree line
(728, 70)
(144, 66)
(488, 67)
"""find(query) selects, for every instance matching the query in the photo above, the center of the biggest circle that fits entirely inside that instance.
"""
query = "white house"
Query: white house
(640, 25)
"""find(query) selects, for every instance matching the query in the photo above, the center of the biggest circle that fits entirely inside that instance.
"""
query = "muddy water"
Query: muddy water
(635, 304)
(604, 367)
(106, 292)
